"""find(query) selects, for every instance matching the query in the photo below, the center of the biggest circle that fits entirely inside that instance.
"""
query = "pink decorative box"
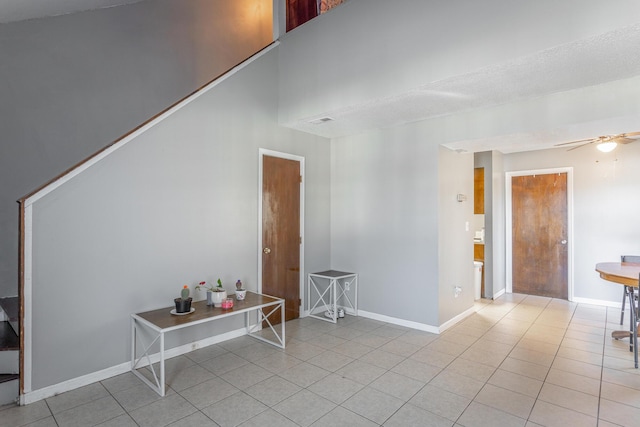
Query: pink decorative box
(227, 303)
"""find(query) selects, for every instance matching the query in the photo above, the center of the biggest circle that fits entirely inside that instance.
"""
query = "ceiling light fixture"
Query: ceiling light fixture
(607, 147)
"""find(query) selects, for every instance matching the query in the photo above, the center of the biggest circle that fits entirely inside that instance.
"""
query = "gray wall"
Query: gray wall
(494, 221)
(72, 84)
(455, 233)
(394, 223)
(176, 205)
(606, 206)
(498, 231)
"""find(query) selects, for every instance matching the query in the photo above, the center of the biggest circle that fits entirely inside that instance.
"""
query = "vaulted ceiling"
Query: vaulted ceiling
(608, 63)
(19, 10)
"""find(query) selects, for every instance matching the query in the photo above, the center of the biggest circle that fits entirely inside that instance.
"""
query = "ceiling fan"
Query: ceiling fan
(604, 143)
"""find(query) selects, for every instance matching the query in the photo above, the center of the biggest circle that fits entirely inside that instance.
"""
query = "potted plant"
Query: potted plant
(241, 293)
(215, 294)
(183, 304)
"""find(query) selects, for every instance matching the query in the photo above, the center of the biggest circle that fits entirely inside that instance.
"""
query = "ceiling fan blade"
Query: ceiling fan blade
(622, 140)
(579, 146)
(630, 134)
(590, 140)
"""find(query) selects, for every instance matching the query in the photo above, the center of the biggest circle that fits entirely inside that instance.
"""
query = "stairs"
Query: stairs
(9, 351)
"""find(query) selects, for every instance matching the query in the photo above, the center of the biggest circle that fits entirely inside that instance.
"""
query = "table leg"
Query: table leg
(334, 289)
(265, 318)
(158, 387)
(161, 364)
(633, 338)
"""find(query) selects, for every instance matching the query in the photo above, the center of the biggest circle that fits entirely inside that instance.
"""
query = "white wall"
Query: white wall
(176, 205)
(455, 233)
(498, 231)
(494, 222)
(73, 84)
(606, 206)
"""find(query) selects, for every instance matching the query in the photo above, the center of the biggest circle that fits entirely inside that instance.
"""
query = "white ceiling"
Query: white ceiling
(19, 10)
(598, 61)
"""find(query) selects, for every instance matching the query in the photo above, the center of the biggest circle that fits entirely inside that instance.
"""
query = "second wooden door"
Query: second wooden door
(539, 234)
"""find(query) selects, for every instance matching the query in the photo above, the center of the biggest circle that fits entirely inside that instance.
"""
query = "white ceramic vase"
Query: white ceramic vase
(217, 298)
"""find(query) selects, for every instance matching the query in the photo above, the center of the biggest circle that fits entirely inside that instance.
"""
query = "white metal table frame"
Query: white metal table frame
(138, 321)
(338, 286)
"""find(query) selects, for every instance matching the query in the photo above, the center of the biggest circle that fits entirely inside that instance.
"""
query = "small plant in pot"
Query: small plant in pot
(241, 292)
(215, 294)
(183, 304)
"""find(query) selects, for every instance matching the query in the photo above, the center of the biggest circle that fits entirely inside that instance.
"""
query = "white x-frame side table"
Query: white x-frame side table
(326, 288)
(160, 322)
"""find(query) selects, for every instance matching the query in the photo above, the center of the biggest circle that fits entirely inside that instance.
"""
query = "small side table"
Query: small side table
(330, 287)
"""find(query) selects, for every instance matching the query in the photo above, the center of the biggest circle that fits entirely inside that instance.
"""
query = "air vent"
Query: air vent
(321, 120)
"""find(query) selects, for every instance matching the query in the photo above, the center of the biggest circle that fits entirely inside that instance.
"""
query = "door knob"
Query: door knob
(564, 242)
(266, 250)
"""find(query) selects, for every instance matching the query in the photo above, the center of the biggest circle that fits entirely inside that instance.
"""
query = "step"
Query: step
(8, 377)
(9, 362)
(11, 308)
(8, 338)
(9, 388)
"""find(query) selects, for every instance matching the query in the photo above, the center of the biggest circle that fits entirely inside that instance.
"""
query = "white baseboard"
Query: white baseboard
(499, 293)
(400, 322)
(597, 302)
(46, 392)
(449, 323)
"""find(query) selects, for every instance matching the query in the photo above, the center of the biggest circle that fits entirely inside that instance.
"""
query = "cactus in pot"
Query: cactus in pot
(183, 304)
(241, 293)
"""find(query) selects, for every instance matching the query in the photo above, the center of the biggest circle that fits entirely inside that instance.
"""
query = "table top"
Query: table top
(625, 273)
(333, 274)
(163, 319)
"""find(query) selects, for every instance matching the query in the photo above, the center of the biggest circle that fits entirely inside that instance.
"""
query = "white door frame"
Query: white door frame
(509, 223)
(264, 152)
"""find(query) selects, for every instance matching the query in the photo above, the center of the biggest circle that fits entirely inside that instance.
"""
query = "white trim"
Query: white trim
(27, 297)
(265, 152)
(399, 322)
(27, 300)
(599, 302)
(121, 143)
(451, 322)
(499, 293)
(122, 368)
(508, 224)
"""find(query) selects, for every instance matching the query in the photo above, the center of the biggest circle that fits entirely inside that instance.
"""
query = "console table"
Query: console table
(329, 287)
(160, 322)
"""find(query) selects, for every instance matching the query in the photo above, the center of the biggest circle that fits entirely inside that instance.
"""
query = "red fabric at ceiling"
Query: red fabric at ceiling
(300, 11)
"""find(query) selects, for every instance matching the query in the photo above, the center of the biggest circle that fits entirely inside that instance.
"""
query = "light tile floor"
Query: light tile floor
(519, 361)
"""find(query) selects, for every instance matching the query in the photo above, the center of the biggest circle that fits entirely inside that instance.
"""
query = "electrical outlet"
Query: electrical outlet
(457, 291)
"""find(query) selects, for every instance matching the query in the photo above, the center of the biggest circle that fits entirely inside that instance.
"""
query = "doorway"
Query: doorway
(281, 228)
(539, 232)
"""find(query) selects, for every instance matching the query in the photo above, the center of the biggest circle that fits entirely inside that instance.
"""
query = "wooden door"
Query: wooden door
(281, 232)
(539, 234)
